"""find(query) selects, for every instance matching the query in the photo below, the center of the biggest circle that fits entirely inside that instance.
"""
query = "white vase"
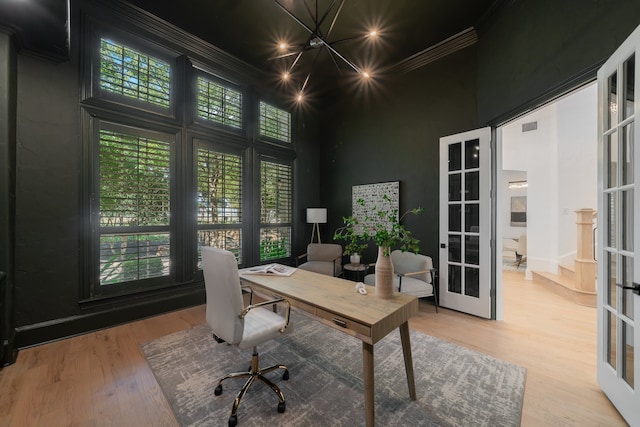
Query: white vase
(355, 259)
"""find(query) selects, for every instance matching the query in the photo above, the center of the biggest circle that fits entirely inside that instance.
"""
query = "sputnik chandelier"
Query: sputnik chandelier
(317, 40)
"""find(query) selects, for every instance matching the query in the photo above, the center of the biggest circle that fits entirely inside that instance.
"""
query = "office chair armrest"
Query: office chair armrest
(250, 289)
(270, 302)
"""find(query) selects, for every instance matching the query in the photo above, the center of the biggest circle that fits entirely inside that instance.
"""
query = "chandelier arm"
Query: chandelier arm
(295, 61)
(339, 55)
(310, 12)
(286, 55)
(326, 14)
(295, 18)
(315, 61)
(333, 59)
(346, 39)
(335, 17)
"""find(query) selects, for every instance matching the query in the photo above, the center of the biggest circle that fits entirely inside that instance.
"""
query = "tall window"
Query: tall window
(134, 207)
(162, 184)
(219, 103)
(127, 72)
(275, 123)
(275, 210)
(219, 201)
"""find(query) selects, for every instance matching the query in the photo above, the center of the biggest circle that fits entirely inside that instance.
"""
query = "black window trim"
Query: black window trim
(188, 56)
(289, 146)
(93, 94)
(211, 125)
(95, 290)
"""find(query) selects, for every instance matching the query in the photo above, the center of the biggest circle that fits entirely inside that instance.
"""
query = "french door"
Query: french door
(465, 222)
(619, 207)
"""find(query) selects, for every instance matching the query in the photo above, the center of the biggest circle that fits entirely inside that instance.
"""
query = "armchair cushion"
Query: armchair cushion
(324, 258)
(415, 270)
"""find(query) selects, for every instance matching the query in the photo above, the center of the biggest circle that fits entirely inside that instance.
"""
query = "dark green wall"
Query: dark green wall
(391, 134)
(394, 136)
(529, 52)
(48, 172)
(535, 49)
(49, 222)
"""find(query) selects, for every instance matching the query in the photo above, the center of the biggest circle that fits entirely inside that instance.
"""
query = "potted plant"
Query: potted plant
(356, 244)
(384, 227)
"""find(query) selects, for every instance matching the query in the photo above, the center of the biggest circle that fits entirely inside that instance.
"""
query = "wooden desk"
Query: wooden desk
(334, 302)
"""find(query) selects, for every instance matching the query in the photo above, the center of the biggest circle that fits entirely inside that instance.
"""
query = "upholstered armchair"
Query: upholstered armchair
(323, 258)
(413, 274)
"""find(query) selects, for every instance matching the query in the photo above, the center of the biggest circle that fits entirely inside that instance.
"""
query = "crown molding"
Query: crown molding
(438, 51)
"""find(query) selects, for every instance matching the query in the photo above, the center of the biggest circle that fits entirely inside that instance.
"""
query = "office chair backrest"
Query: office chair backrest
(224, 295)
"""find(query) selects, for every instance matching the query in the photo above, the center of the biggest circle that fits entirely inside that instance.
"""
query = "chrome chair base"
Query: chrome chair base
(254, 373)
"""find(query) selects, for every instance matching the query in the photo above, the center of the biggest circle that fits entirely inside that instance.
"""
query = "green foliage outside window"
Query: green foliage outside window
(273, 249)
(219, 103)
(275, 123)
(219, 201)
(127, 72)
(275, 208)
(134, 193)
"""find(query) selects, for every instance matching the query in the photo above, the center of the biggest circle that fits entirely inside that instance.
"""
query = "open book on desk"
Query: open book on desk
(270, 269)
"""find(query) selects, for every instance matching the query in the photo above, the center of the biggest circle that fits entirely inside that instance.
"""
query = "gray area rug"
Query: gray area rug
(455, 386)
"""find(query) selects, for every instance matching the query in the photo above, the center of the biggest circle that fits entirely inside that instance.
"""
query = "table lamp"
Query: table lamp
(316, 216)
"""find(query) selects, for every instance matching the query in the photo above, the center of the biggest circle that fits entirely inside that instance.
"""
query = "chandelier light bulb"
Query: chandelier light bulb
(366, 74)
(283, 46)
(300, 97)
(285, 76)
(373, 34)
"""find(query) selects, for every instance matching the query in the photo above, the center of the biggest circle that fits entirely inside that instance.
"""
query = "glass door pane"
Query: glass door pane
(619, 210)
(465, 181)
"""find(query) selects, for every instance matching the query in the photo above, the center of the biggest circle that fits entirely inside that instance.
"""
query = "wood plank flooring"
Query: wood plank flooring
(102, 379)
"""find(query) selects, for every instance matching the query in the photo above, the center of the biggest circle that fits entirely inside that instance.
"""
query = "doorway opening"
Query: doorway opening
(547, 172)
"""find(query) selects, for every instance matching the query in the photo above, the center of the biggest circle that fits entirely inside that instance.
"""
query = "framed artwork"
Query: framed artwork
(373, 196)
(519, 211)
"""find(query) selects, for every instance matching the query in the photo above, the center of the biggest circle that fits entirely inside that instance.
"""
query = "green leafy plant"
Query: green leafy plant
(383, 227)
(356, 243)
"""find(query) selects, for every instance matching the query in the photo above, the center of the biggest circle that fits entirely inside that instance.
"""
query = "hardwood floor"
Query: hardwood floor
(102, 379)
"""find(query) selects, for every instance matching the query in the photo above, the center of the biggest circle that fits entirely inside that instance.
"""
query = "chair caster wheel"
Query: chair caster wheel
(233, 420)
(282, 406)
(218, 390)
(285, 376)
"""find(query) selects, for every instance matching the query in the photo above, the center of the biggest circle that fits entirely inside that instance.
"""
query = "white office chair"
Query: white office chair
(238, 325)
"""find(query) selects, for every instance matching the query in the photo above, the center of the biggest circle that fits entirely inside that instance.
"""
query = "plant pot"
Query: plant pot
(355, 259)
(384, 276)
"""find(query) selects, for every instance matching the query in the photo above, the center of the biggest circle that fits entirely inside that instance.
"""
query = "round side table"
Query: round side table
(357, 270)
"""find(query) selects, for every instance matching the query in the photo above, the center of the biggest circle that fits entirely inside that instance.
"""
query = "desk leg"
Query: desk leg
(408, 359)
(369, 387)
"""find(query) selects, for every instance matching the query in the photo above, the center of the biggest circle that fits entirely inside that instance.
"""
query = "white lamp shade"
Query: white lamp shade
(317, 215)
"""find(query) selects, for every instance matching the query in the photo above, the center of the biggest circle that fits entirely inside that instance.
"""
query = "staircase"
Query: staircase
(565, 285)
(577, 283)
